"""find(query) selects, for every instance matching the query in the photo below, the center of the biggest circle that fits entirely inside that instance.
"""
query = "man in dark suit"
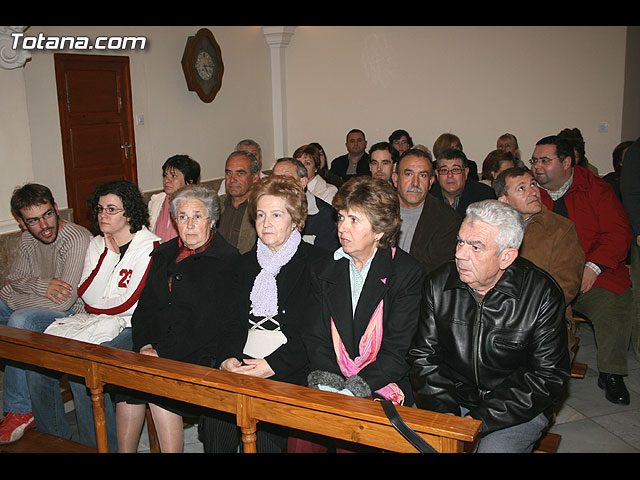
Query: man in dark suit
(356, 161)
(454, 185)
(321, 229)
(429, 228)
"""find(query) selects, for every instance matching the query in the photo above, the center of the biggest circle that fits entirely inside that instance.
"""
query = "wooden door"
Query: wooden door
(96, 120)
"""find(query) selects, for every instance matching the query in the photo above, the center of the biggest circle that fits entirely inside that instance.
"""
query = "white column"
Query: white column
(278, 38)
(11, 58)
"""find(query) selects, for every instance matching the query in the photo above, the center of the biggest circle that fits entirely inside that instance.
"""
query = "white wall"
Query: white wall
(175, 120)
(15, 142)
(477, 82)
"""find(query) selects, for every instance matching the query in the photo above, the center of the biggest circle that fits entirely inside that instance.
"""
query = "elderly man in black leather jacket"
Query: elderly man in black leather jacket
(491, 341)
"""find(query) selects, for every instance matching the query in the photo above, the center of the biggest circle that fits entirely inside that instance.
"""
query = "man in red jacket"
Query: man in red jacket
(604, 232)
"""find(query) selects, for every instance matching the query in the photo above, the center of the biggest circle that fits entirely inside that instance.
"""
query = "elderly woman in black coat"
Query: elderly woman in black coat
(275, 299)
(184, 312)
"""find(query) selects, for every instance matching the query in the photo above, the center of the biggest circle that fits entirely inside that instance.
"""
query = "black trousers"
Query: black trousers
(219, 433)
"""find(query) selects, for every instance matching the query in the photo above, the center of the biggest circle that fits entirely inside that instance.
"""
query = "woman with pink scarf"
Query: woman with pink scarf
(177, 171)
(369, 300)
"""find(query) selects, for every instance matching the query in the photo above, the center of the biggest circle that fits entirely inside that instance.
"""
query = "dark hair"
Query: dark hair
(618, 155)
(452, 154)
(564, 148)
(388, 147)
(255, 166)
(398, 134)
(500, 184)
(135, 208)
(29, 195)
(186, 165)
(574, 136)
(310, 150)
(355, 130)
(321, 151)
(377, 199)
(302, 170)
(417, 152)
(493, 162)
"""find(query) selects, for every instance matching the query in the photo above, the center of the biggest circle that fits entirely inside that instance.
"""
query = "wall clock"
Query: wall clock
(202, 65)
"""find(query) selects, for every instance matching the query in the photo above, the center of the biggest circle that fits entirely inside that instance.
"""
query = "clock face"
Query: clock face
(202, 65)
(205, 66)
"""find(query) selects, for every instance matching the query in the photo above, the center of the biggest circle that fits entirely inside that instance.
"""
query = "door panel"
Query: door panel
(96, 121)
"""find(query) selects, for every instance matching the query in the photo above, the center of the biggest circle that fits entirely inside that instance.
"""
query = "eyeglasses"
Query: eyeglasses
(108, 210)
(45, 216)
(400, 142)
(453, 170)
(196, 219)
(544, 160)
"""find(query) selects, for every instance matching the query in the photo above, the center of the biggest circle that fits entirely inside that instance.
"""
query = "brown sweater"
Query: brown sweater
(37, 263)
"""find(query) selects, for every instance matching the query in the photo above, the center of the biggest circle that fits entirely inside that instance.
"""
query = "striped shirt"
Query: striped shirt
(37, 263)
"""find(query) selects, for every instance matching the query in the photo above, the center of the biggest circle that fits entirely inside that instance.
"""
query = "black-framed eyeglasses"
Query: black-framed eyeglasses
(45, 216)
(453, 170)
(543, 160)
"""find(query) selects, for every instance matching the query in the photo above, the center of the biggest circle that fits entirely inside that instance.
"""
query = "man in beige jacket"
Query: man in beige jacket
(550, 240)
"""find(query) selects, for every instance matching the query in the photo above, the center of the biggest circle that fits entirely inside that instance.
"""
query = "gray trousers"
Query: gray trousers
(517, 439)
(612, 318)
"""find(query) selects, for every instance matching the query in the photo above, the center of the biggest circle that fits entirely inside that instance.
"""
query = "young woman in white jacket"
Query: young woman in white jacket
(115, 270)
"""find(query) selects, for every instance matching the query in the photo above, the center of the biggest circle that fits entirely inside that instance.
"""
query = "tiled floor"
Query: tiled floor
(587, 422)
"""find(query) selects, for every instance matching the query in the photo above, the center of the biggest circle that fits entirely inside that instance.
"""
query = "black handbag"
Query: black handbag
(404, 429)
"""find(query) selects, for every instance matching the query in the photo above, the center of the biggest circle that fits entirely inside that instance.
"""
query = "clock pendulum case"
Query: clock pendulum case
(202, 65)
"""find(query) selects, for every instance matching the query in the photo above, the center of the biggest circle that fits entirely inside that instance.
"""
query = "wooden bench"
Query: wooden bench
(250, 399)
(548, 443)
(34, 441)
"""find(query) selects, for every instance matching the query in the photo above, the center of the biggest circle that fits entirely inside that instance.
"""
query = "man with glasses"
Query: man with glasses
(454, 185)
(401, 141)
(41, 286)
(604, 232)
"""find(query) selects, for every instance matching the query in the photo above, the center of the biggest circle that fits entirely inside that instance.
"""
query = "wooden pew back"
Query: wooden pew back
(250, 399)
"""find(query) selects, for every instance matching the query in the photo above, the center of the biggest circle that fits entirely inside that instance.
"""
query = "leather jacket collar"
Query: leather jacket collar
(511, 282)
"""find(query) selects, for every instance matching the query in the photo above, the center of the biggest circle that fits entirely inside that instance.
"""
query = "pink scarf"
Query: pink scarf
(165, 228)
(369, 347)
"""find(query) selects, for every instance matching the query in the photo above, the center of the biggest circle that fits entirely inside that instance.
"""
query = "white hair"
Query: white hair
(506, 218)
(206, 196)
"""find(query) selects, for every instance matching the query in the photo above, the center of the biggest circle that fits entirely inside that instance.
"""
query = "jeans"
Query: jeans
(48, 409)
(516, 439)
(15, 394)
